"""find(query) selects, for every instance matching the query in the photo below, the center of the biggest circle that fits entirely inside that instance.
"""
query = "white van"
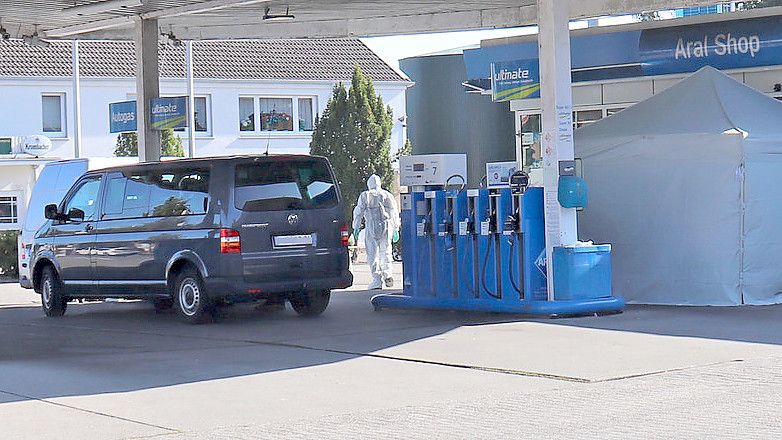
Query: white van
(53, 182)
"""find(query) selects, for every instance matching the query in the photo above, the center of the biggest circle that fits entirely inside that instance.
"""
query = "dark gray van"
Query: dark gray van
(194, 233)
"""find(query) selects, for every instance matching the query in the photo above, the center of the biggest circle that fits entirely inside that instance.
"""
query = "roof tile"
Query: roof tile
(275, 59)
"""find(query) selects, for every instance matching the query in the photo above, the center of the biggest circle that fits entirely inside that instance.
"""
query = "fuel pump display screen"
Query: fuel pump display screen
(418, 167)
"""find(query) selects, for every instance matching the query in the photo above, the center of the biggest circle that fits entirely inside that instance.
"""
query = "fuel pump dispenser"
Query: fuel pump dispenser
(442, 243)
(484, 249)
(420, 247)
(464, 240)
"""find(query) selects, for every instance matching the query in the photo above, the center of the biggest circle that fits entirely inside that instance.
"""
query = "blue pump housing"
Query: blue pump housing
(482, 250)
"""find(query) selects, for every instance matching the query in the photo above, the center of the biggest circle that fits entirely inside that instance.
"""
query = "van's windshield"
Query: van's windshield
(285, 184)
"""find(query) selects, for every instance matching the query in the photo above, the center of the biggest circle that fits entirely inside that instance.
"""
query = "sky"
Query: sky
(394, 48)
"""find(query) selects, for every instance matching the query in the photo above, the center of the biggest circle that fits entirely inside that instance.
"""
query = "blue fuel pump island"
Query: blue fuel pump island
(484, 250)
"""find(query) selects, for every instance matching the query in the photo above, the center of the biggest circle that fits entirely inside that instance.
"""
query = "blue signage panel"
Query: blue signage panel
(733, 44)
(122, 116)
(168, 112)
(723, 45)
(518, 79)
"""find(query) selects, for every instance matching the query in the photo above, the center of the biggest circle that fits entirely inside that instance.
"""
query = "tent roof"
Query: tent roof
(706, 102)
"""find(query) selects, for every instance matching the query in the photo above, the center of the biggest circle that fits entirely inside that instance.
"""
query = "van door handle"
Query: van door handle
(89, 227)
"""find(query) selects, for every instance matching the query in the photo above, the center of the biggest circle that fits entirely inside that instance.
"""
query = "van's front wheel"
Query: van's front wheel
(311, 302)
(192, 303)
(53, 301)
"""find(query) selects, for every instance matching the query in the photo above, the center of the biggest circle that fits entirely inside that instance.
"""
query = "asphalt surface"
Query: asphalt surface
(120, 371)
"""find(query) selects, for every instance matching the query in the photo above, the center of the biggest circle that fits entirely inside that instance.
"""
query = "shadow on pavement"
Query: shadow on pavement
(116, 347)
(754, 324)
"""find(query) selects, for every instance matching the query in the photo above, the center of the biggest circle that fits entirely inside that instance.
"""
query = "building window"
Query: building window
(8, 210)
(613, 110)
(305, 114)
(53, 114)
(6, 145)
(202, 116)
(276, 114)
(531, 154)
(246, 114)
(586, 117)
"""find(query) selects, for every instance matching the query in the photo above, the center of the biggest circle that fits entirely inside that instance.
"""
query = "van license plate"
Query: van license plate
(294, 240)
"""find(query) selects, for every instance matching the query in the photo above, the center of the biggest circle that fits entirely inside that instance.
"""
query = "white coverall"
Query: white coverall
(377, 207)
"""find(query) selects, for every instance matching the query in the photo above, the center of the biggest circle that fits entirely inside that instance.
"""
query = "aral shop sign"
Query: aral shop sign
(663, 50)
(724, 45)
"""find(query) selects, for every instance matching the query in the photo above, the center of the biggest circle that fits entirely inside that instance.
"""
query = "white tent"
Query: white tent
(687, 186)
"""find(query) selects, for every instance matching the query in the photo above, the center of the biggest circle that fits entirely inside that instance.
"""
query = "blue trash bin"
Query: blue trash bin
(582, 272)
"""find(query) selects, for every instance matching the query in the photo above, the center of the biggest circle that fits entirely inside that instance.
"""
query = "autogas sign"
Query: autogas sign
(122, 116)
(518, 79)
(168, 113)
(723, 45)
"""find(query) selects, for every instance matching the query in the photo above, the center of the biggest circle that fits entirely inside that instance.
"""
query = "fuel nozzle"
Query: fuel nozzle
(444, 228)
(511, 224)
(423, 228)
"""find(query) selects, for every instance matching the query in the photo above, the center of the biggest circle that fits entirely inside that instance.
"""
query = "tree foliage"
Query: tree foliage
(406, 150)
(649, 16)
(171, 144)
(9, 253)
(354, 133)
(755, 4)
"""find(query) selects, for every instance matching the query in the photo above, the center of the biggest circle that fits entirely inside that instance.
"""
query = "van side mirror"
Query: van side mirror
(76, 214)
(50, 212)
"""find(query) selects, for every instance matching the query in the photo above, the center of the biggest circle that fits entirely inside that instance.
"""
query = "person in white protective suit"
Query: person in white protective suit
(377, 207)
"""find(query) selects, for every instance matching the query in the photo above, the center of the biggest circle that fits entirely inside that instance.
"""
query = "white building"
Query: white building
(237, 84)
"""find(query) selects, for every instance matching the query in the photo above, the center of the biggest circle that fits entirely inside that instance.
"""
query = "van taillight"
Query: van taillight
(344, 234)
(230, 242)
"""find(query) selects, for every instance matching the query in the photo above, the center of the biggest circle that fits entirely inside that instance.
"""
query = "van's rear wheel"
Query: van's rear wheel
(311, 302)
(192, 303)
(52, 299)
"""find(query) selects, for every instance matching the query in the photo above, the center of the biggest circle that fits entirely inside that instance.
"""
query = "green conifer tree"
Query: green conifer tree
(354, 133)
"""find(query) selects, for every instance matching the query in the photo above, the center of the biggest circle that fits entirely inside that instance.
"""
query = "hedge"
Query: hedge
(9, 254)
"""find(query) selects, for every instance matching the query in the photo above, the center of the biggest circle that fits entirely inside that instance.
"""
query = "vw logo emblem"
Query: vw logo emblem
(293, 219)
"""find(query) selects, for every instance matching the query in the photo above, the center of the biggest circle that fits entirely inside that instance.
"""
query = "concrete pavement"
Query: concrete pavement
(119, 370)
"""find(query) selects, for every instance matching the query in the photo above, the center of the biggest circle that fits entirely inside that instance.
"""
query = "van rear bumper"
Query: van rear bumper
(25, 282)
(228, 286)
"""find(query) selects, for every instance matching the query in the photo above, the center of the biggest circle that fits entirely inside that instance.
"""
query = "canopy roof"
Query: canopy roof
(219, 19)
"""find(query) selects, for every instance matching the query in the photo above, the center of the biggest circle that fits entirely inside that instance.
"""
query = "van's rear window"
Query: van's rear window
(279, 185)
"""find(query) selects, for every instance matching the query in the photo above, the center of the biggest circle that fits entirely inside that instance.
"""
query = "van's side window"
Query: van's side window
(126, 197)
(179, 192)
(115, 196)
(158, 194)
(85, 198)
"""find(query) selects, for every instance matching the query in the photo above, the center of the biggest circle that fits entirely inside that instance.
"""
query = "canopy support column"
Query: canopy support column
(557, 123)
(147, 87)
(76, 75)
(191, 128)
